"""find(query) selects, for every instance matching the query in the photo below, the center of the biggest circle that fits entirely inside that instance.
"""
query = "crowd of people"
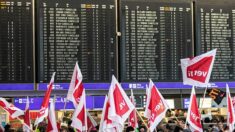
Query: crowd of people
(173, 125)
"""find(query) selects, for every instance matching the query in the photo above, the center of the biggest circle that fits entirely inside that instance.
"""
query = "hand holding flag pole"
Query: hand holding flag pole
(141, 118)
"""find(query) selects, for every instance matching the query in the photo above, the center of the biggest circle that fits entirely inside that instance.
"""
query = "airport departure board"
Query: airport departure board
(76, 30)
(155, 36)
(16, 41)
(215, 21)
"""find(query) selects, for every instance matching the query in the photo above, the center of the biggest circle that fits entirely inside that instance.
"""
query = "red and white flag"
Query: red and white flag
(27, 123)
(43, 112)
(197, 70)
(52, 125)
(10, 108)
(79, 118)
(193, 116)
(230, 108)
(156, 107)
(76, 86)
(91, 123)
(107, 125)
(120, 104)
(133, 121)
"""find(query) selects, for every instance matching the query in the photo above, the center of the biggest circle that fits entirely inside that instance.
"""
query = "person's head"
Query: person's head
(130, 129)
(142, 129)
(220, 125)
(7, 127)
(64, 129)
(69, 123)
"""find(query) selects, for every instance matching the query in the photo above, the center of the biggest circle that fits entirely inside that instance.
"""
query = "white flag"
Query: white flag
(52, 126)
(27, 123)
(156, 107)
(194, 116)
(197, 71)
(120, 104)
(79, 118)
(76, 86)
(230, 109)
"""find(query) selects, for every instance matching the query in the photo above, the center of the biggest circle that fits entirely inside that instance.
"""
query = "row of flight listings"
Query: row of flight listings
(155, 35)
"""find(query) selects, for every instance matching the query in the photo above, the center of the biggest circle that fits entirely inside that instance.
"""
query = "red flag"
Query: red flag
(27, 123)
(196, 71)
(133, 118)
(43, 112)
(10, 108)
(107, 125)
(76, 86)
(156, 107)
(120, 104)
(79, 119)
(52, 125)
(193, 116)
(230, 113)
(91, 123)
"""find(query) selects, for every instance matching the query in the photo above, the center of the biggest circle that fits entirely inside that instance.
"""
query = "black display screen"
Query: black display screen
(215, 29)
(16, 41)
(76, 30)
(155, 36)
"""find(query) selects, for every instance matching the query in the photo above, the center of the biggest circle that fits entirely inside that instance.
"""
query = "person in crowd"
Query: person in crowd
(64, 129)
(19, 130)
(142, 129)
(220, 126)
(7, 127)
(130, 129)
(70, 128)
(215, 128)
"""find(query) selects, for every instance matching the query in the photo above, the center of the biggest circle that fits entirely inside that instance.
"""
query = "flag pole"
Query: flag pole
(64, 108)
(174, 114)
(201, 105)
(204, 95)
(141, 119)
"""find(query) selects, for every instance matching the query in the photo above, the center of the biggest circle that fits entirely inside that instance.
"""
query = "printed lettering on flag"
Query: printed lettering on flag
(193, 116)
(156, 107)
(197, 70)
(120, 104)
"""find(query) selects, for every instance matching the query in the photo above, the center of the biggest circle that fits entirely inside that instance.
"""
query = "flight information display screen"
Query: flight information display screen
(155, 36)
(76, 30)
(16, 41)
(215, 21)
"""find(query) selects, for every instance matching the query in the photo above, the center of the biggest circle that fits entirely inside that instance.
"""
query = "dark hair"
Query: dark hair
(69, 122)
(7, 127)
(129, 128)
(142, 127)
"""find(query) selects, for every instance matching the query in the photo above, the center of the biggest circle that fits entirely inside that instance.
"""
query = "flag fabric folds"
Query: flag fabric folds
(52, 125)
(133, 121)
(197, 70)
(10, 108)
(27, 123)
(43, 112)
(156, 107)
(116, 110)
(79, 118)
(193, 116)
(216, 94)
(230, 109)
(91, 123)
(76, 86)
(107, 125)
(120, 104)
